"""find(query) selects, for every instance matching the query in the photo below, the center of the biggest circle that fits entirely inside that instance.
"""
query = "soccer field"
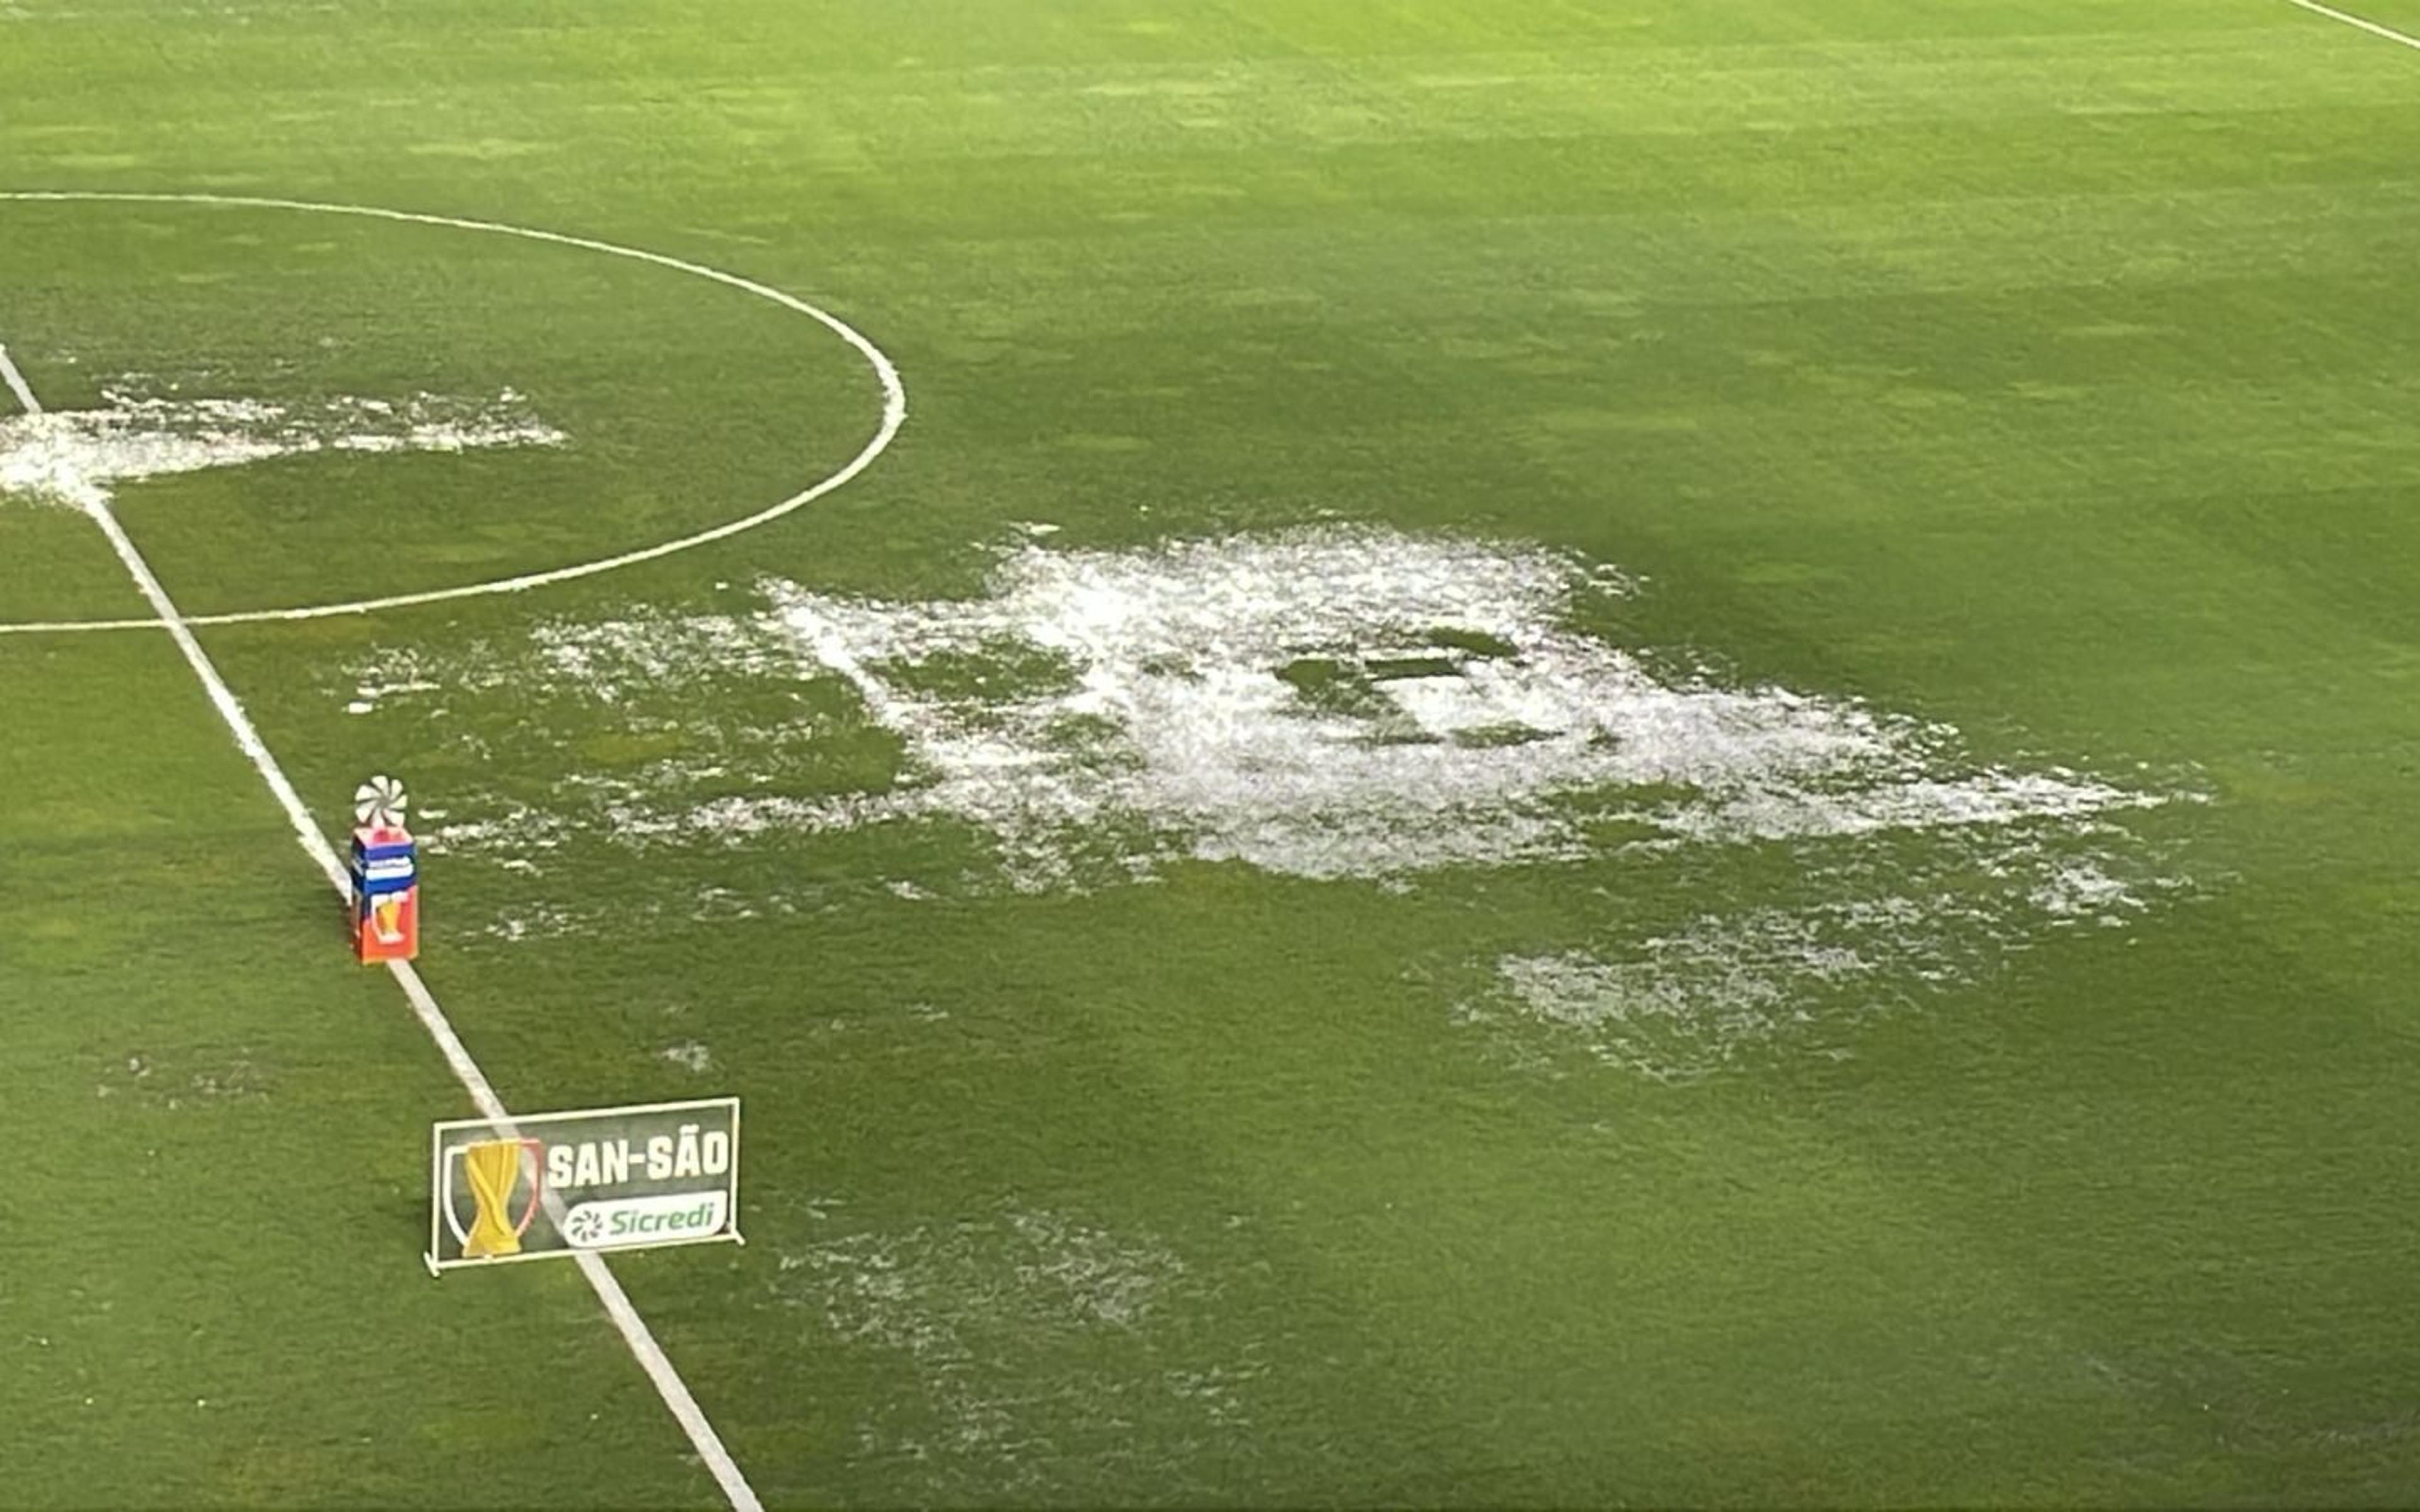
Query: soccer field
(1630, 753)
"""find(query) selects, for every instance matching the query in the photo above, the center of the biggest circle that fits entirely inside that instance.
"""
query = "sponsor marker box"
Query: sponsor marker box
(601, 1178)
(386, 894)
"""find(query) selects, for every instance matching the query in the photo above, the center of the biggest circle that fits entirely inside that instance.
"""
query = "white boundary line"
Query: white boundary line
(2350, 20)
(16, 382)
(633, 1328)
(895, 406)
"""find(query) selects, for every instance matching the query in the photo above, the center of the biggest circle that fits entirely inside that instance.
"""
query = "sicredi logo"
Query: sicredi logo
(669, 1216)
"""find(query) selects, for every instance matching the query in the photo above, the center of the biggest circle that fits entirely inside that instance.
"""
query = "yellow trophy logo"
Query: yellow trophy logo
(493, 1170)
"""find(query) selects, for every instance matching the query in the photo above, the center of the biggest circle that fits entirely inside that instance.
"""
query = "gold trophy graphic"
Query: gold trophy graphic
(493, 1169)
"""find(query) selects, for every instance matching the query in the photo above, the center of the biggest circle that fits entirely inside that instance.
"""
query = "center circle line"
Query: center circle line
(895, 408)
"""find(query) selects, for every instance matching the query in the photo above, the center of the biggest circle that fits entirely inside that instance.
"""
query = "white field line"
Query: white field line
(16, 382)
(895, 404)
(2350, 20)
(635, 1332)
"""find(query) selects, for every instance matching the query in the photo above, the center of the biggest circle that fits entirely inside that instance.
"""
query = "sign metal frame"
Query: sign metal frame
(517, 1127)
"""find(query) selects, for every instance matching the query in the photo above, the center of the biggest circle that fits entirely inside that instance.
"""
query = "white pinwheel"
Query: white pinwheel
(381, 802)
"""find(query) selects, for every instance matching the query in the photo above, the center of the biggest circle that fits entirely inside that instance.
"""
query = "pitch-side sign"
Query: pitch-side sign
(605, 1179)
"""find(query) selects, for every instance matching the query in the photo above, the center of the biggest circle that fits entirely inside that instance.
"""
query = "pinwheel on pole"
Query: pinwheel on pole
(379, 804)
(385, 875)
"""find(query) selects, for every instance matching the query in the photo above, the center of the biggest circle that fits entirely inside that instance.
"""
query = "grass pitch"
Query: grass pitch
(1624, 754)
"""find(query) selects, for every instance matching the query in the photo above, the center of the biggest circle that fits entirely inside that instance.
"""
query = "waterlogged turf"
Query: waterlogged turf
(1644, 754)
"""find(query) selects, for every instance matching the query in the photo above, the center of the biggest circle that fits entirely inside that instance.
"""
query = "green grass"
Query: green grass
(2042, 368)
